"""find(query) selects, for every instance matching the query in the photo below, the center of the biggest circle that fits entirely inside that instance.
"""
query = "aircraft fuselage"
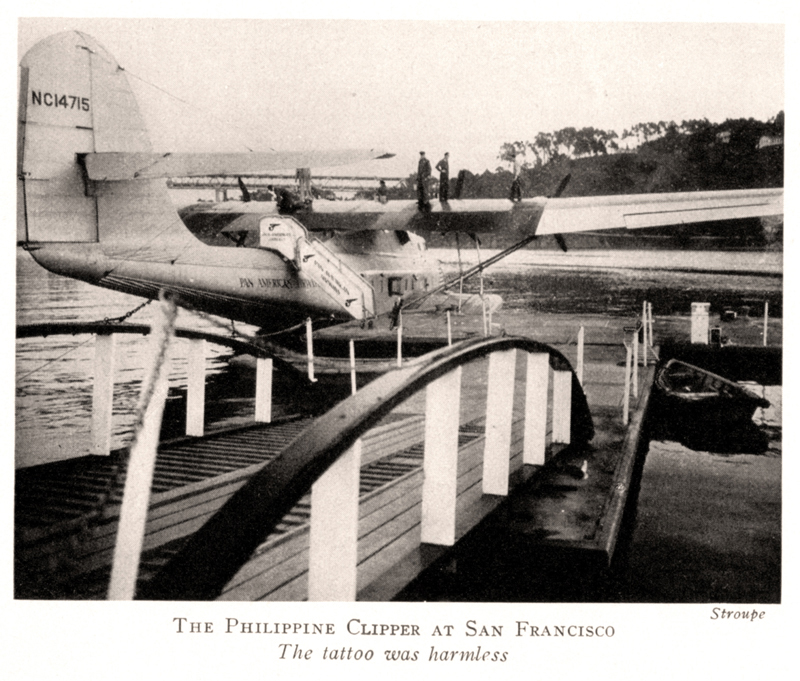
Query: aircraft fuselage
(251, 284)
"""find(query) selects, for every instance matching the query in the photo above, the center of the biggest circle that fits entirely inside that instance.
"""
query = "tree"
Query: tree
(512, 150)
(543, 147)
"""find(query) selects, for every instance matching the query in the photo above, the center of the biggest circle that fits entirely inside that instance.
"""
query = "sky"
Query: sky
(404, 86)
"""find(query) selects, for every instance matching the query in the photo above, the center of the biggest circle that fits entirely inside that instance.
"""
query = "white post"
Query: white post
(400, 344)
(650, 322)
(627, 390)
(483, 300)
(263, 390)
(440, 462)
(537, 378)
(333, 531)
(580, 355)
(562, 406)
(102, 393)
(499, 413)
(766, 320)
(352, 366)
(310, 350)
(460, 274)
(142, 461)
(644, 334)
(699, 331)
(480, 272)
(635, 340)
(196, 388)
(449, 330)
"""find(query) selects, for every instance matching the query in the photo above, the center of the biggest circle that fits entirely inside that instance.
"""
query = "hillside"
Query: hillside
(716, 157)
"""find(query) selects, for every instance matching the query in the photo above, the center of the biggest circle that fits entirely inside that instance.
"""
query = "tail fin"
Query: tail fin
(75, 100)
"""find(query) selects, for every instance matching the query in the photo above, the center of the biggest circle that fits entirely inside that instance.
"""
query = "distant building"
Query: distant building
(770, 141)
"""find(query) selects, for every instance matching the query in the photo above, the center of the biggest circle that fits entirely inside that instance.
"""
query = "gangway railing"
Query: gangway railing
(290, 239)
(340, 281)
(325, 458)
(268, 357)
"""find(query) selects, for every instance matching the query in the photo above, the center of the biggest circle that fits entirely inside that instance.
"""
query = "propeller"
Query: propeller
(561, 186)
(245, 193)
(462, 175)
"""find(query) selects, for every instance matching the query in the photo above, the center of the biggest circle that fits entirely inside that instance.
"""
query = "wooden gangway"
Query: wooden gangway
(67, 512)
(434, 504)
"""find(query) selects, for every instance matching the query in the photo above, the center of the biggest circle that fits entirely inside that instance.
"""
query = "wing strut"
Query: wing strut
(471, 271)
(460, 268)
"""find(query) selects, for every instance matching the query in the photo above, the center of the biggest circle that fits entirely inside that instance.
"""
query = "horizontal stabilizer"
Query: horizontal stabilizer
(591, 213)
(118, 166)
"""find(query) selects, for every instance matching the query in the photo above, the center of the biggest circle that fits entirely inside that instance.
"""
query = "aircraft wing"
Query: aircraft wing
(525, 217)
(118, 166)
(635, 211)
(547, 216)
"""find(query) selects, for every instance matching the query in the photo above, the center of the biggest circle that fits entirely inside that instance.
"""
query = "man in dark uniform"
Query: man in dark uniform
(443, 167)
(516, 188)
(383, 192)
(423, 175)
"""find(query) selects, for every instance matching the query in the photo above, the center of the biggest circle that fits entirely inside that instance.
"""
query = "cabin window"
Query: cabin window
(395, 286)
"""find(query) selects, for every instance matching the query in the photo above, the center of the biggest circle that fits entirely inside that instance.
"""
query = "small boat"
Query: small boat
(689, 385)
(702, 408)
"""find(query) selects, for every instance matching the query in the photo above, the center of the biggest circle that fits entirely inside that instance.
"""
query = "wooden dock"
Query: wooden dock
(67, 513)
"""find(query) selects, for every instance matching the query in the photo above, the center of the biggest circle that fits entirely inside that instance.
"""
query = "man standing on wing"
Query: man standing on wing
(443, 167)
(423, 175)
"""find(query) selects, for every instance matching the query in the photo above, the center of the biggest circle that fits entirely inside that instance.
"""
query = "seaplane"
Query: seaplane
(93, 204)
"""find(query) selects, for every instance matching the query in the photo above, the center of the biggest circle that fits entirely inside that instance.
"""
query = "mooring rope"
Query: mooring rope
(141, 457)
(162, 333)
